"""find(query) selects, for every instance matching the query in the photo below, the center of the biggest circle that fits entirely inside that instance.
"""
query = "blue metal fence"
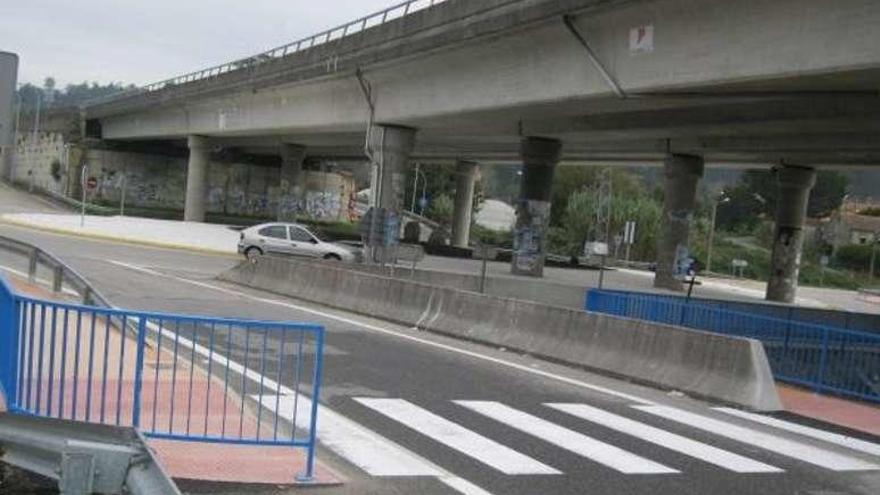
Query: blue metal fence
(822, 357)
(172, 376)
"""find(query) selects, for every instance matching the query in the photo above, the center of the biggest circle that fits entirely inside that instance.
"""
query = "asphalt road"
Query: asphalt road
(402, 385)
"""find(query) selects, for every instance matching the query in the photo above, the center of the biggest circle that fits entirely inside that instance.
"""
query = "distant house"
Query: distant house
(845, 228)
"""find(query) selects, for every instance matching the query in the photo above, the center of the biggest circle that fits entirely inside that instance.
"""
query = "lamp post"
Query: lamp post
(720, 200)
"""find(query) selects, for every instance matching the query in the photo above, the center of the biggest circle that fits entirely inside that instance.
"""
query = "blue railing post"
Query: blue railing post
(309, 475)
(138, 370)
(9, 330)
(823, 360)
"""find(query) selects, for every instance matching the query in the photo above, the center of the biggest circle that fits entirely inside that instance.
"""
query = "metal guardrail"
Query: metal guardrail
(359, 25)
(62, 274)
(821, 357)
(84, 458)
(71, 362)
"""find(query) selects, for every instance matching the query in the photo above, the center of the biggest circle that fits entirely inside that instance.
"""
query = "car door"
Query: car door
(304, 243)
(273, 239)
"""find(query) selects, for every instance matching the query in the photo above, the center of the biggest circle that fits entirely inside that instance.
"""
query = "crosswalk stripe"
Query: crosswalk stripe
(451, 434)
(570, 440)
(783, 446)
(827, 436)
(678, 443)
(363, 448)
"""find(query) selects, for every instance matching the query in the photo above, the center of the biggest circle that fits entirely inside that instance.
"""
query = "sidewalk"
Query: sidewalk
(240, 464)
(196, 236)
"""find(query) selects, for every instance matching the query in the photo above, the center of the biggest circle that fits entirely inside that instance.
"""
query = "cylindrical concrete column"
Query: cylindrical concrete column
(540, 156)
(682, 172)
(391, 147)
(291, 197)
(794, 184)
(197, 179)
(466, 178)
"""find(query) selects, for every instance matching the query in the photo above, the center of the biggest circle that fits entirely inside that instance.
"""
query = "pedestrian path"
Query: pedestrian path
(536, 440)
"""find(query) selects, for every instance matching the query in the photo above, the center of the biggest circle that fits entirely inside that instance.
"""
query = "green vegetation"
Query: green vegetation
(71, 96)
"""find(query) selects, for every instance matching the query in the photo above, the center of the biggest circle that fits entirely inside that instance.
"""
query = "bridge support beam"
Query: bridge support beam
(290, 197)
(794, 185)
(540, 156)
(682, 172)
(466, 178)
(391, 147)
(197, 178)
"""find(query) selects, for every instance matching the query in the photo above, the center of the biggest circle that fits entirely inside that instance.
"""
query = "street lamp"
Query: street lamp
(720, 200)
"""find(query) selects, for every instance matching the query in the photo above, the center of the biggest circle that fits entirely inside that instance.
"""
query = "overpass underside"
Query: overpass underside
(790, 84)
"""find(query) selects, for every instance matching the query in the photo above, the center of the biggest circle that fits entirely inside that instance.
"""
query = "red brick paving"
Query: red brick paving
(855, 415)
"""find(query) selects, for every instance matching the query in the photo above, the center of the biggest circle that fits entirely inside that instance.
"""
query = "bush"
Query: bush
(497, 238)
(855, 257)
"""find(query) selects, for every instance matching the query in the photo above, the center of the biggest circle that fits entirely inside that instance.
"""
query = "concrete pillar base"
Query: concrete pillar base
(466, 177)
(291, 200)
(795, 184)
(197, 179)
(682, 172)
(391, 147)
(540, 156)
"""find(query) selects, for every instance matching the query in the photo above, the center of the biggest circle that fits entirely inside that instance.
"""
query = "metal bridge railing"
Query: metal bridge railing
(821, 357)
(376, 19)
(175, 377)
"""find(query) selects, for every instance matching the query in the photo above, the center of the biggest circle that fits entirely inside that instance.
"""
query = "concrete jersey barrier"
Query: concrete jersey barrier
(729, 369)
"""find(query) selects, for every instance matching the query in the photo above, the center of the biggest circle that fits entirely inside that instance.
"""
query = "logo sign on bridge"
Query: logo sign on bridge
(641, 39)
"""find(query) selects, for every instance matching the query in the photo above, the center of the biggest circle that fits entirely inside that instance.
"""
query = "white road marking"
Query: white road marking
(783, 446)
(378, 329)
(678, 443)
(364, 448)
(827, 436)
(457, 437)
(601, 452)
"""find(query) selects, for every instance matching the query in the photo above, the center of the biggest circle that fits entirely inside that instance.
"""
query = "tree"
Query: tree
(756, 195)
(571, 180)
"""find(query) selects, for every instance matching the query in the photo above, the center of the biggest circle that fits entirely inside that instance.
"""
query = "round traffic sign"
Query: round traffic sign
(91, 183)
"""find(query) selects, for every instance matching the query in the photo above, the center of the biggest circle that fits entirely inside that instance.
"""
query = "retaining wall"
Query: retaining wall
(727, 369)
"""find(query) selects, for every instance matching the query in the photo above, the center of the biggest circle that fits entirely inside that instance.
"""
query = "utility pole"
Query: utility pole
(603, 218)
(15, 136)
(34, 137)
(412, 207)
(711, 241)
(873, 256)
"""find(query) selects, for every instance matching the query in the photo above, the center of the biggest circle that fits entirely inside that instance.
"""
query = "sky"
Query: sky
(143, 41)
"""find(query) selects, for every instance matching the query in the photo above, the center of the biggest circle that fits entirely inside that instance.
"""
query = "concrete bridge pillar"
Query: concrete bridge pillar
(466, 178)
(682, 172)
(540, 156)
(794, 184)
(391, 147)
(291, 195)
(197, 178)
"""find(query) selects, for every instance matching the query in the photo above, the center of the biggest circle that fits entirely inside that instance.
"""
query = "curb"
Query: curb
(121, 240)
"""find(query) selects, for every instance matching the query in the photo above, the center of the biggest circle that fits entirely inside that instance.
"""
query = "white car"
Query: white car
(293, 240)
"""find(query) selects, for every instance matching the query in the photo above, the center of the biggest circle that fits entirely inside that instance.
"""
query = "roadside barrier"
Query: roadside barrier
(730, 369)
(822, 357)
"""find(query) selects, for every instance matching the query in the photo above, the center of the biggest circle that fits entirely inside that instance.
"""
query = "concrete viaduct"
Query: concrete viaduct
(790, 84)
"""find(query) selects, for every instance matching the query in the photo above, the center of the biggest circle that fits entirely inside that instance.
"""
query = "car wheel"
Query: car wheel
(332, 257)
(252, 253)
